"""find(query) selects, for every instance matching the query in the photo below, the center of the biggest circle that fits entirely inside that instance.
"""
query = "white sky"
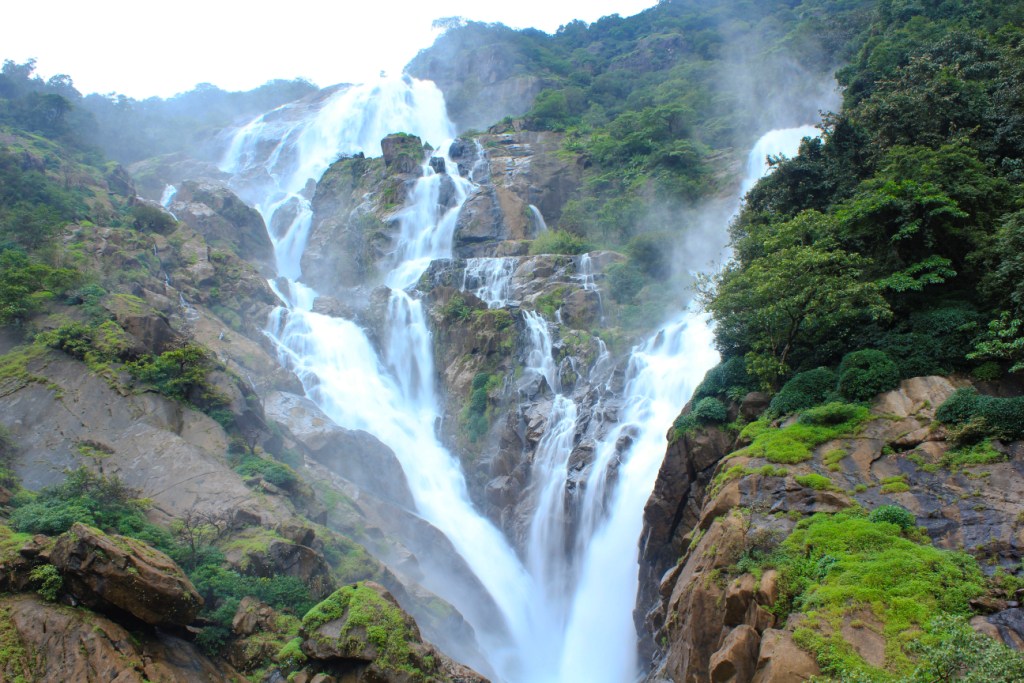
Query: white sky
(143, 48)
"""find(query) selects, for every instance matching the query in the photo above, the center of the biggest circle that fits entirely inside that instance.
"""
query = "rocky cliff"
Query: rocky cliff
(717, 611)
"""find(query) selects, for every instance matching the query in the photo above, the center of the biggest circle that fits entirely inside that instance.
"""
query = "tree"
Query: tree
(801, 292)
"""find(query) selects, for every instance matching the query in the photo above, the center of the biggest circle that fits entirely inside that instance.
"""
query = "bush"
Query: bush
(558, 242)
(960, 407)
(832, 414)
(710, 410)
(271, 471)
(894, 514)
(49, 580)
(804, 390)
(624, 282)
(651, 253)
(814, 481)
(149, 218)
(987, 415)
(952, 650)
(728, 374)
(867, 373)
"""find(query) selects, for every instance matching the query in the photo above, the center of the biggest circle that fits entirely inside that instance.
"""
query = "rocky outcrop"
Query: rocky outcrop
(361, 632)
(120, 573)
(153, 175)
(50, 643)
(224, 220)
(352, 454)
(715, 625)
(522, 170)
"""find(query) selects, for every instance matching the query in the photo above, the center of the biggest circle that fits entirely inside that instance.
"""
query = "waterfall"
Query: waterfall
(539, 225)
(564, 613)
(490, 279)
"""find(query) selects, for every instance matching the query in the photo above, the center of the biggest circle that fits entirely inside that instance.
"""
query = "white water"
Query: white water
(539, 224)
(490, 279)
(565, 614)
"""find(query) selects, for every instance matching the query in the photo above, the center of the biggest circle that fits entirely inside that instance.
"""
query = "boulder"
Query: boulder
(734, 662)
(781, 660)
(224, 220)
(253, 616)
(77, 645)
(117, 572)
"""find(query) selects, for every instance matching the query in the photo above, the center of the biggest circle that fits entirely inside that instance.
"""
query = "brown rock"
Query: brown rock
(758, 617)
(782, 661)
(735, 660)
(77, 645)
(738, 598)
(753, 404)
(115, 571)
(252, 617)
(768, 588)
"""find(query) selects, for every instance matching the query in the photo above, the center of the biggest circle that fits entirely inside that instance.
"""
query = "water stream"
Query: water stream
(564, 609)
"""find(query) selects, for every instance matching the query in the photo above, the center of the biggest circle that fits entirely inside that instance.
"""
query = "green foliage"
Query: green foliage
(364, 609)
(225, 587)
(624, 282)
(795, 443)
(181, 374)
(835, 566)
(93, 499)
(834, 414)
(558, 242)
(456, 308)
(804, 390)
(476, 415)
(149, 218)
(988, 416)
(1004, 340)
(49, 581)
(866, 373)
(815, 481)
(894, 514)
(728, 375)
(274, 472)
(951, 650)
(26, 284)
(710, 410)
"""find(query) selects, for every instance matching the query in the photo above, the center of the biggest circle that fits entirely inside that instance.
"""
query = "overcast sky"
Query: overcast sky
(142, 48)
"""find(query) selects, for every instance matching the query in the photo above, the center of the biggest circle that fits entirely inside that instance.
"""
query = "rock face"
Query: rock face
(48, 643)
(360, 632)
(716, 626)
(521, 170)
(483, 85)
(117, 572)
(224, 220)
(354, 455)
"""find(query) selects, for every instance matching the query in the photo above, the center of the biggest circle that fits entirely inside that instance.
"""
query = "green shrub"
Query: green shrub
(49, 580)
(149, 218)
(953, 651)
(865, 374)
(710, 410)
(832, 414)
(728, 374)
(558, 242)
(804, 390)
(989, 371)
(960, 407)
(651, 253)
(624, 282)
(894, 514)
(271, 471)
(987, 415)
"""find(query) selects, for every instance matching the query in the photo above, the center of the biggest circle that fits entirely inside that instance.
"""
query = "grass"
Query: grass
(815, 481)
(841, 567)
(796, 443)
(897, 484)
(967, 456)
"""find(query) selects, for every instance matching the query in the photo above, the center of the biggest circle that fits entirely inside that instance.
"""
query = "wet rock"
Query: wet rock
(402, 153)
(252, 617)
(118, 572)
(224, 220)
(355, 455)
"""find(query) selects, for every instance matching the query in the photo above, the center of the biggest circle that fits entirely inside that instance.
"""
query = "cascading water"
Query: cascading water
(490, 279)
(565, 614)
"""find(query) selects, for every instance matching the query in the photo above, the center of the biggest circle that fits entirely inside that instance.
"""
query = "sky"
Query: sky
(143, 49)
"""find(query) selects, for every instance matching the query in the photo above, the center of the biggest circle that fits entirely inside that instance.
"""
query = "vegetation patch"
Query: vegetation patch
(834, 566)
(796, 443)
(815, 481)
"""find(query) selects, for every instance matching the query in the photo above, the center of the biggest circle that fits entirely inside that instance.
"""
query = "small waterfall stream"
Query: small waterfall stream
(564, 610)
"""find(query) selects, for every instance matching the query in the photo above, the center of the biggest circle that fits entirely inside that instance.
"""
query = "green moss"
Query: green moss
(968, 456)
(548, 304)
(836, 568)
(833, 458)
(363, 608)
(815, 481)
(897, 484)
(14, 657)
(795, 443)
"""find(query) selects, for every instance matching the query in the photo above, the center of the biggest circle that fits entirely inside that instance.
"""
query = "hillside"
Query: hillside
(397, 379)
